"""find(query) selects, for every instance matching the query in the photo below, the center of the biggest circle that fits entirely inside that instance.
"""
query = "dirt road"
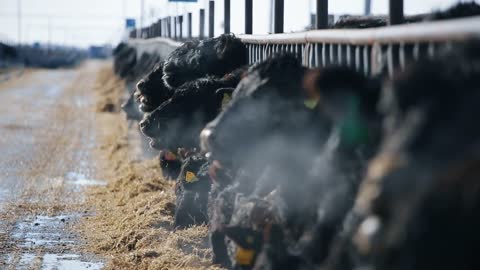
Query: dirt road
(46, 146)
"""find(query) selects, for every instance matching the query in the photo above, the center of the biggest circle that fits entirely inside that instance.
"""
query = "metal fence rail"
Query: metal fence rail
(372, 51)
(160, 46)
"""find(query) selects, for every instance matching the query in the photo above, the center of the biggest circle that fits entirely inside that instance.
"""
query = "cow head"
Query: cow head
(178, 121)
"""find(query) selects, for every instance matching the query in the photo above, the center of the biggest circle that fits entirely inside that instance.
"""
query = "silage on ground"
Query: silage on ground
(132, 225)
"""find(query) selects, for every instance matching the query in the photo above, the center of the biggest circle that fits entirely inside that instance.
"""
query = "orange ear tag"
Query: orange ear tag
(244, 256)
(190, 177)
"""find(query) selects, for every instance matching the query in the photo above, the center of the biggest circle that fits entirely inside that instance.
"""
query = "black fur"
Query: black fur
(197, 59)
(192, 196)
(178, 121)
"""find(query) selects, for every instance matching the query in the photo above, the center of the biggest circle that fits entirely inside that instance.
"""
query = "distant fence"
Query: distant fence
(172, 26)
(372, 51)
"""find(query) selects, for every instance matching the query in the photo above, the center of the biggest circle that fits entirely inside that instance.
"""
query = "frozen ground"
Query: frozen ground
(46, 146)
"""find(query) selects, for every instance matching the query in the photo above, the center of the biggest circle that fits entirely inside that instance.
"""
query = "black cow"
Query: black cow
(265, 125)
(193, 60)
(268, 97)
(347, 99)
(8, 52)
(196, 59)
(151, 90)
(130, 107)
(459, 10)
(360, 22)
(125, 59)
(420, 201)
(143, 66)
(136, 102)
(170, 163)
(177, 122)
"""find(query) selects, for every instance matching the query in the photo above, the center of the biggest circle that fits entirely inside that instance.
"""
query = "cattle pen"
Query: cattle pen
(243, 135)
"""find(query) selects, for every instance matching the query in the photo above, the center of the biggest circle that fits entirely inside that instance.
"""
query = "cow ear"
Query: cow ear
(225, 95)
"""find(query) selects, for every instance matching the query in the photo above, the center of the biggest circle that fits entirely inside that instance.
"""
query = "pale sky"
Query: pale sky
(85, 22)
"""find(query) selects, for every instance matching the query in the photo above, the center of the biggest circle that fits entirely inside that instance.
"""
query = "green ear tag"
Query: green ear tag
(311, 103)
(353, 130)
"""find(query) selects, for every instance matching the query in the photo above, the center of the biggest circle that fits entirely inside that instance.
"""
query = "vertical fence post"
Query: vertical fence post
(211, 19)
(163, 27)
(368, 7)
(169, 27)
(395, 14)
(227, 16)
(278, 16)
(175, 27)
(180, 22)
(189, 15)
(160, 30)
(248, 17)
(202, 23)
(322, 14)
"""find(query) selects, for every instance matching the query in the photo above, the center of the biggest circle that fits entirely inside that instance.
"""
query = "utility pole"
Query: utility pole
(19, 21)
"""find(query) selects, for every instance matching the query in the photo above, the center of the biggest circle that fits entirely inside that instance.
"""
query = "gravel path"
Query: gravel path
(46, 158)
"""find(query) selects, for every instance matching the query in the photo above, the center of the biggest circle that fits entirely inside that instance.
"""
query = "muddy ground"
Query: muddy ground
(46, 145)
(78, 188)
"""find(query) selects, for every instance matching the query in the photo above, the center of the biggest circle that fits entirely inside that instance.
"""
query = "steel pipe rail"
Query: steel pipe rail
(160, 46)
(449, 30)
(373, 51)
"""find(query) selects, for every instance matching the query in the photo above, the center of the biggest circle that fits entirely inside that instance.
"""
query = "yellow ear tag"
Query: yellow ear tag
(311, 103)
(244, 256)
(226, 99)
(190, 177)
